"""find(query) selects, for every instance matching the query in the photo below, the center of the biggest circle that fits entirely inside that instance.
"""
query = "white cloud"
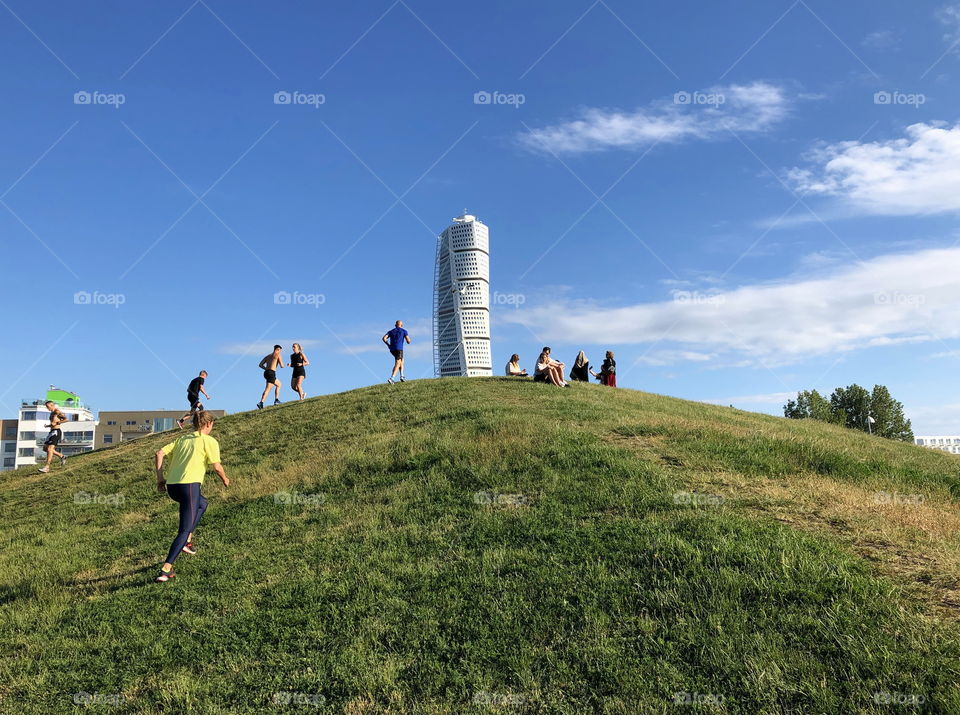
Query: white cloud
(949, 16)
(261, 347)
(748, 108)
(770, 398)
(917, 174)
(932, 420)
(888, 300)
(880, 40)
(370, 340)
(671, 357)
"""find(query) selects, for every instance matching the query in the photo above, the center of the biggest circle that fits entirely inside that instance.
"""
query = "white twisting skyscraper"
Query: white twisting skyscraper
(461, 300)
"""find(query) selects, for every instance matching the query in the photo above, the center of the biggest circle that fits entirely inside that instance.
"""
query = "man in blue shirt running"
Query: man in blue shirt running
(394, 339)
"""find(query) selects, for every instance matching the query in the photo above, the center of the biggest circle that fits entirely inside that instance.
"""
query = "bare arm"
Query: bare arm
(263, 363)
(205, 393)
(161, 482)
(407, 338)
(305, 361)
(386, 338)
(218, 468)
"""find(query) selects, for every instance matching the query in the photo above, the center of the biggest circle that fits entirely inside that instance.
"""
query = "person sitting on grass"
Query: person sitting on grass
(549, 370)
(608, 371)
(189, 458)
(513, 367)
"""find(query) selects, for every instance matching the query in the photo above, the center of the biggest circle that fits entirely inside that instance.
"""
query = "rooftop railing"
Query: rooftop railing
(72, 404)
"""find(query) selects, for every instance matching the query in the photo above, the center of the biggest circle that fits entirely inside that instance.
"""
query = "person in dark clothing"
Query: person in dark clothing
(395, 339)
(298, 361)
(581, 368)
(193, 397)
(608, 371)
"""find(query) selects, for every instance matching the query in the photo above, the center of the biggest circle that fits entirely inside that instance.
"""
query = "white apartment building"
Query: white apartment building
(949, 444)
(79, 430)
(8, 445)
(461, 300)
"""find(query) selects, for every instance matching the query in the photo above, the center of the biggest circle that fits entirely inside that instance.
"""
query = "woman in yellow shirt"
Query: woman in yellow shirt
(189, 457)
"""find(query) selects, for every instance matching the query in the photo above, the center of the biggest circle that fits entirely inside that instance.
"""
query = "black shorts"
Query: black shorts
(541, 377)
(194, 401)
(270, 376)
(397, 354)
(299, 372)
(53, 439)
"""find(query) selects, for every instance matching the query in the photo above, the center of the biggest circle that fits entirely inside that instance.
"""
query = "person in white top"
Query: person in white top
(549, 370)
(513, 367)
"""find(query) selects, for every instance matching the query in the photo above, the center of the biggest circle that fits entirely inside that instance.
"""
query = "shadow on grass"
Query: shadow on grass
(119, 581)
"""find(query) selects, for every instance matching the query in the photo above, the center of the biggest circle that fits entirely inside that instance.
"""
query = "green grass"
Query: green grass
(639, 548)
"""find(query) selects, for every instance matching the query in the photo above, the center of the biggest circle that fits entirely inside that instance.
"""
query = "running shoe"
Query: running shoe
(389, 380)
(189, 548)
(259, 405)
(403, 379)
(165, 576)
(180, 423)
(44, 470)
(63, 460)
(276, 402)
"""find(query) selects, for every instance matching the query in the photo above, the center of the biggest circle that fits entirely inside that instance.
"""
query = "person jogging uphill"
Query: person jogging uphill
(189, 457)
(270, 364)
(395, 339)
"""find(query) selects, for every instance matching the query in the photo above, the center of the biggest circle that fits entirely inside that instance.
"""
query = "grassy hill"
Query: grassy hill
(492, 545)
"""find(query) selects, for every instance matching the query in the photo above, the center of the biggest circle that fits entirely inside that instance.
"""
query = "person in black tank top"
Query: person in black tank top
(298, 361)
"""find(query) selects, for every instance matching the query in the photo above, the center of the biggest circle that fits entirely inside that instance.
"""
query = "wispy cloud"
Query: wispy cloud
(659, 358)
(949, 17)
(933, 420)
(769, 398)
(369, 340)
(881, 40)
(889, 300)
(261, 347)
(913, 175)
(688, 116)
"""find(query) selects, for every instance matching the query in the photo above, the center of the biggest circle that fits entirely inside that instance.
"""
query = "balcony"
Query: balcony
(69, 441)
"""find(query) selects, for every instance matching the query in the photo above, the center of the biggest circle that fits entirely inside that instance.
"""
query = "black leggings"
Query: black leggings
(192, 505)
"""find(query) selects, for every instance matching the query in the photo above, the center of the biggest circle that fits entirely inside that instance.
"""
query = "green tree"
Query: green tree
(851, 405)
(809, 405)
(888, 413)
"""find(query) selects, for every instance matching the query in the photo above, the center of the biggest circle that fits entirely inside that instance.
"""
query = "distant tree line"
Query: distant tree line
(850, 407)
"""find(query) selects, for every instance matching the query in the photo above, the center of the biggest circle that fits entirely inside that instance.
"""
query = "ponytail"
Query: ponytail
(202, 419)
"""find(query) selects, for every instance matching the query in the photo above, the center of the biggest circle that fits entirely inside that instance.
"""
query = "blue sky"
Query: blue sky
(741, 199)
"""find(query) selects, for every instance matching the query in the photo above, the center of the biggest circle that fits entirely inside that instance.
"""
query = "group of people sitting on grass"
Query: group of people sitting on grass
(551, 371)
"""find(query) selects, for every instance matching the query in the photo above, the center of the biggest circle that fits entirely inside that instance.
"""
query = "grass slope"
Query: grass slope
(626, 553)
